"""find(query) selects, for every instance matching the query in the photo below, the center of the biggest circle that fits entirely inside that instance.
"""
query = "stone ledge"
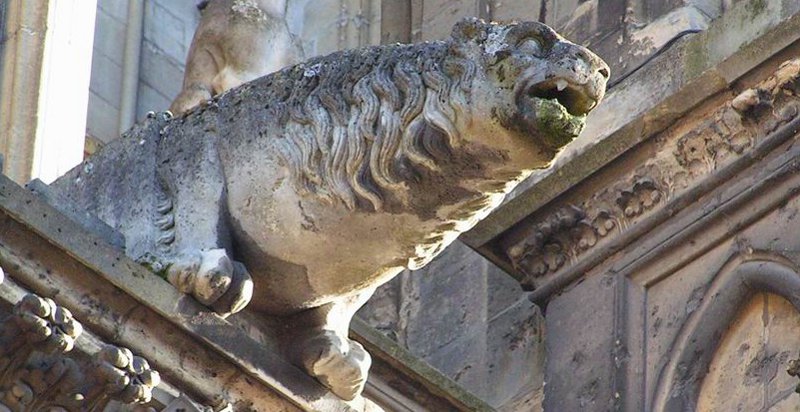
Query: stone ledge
(84, 355)
(114, 296)
(206, 356)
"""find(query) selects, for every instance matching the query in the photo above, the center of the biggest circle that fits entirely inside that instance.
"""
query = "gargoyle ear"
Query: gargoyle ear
(469, 29)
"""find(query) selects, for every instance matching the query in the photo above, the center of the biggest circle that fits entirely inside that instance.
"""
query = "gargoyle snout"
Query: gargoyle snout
(579, 75)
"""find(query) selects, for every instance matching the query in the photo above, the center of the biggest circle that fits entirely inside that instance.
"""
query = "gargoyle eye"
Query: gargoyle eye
(530, 45)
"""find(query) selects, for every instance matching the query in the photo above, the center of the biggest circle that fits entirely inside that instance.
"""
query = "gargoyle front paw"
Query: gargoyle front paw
(338, 363)
(213, 279)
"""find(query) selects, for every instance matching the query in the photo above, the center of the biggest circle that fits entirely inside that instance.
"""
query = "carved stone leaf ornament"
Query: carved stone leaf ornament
(683, 159)
(125, 377)
(38, 372)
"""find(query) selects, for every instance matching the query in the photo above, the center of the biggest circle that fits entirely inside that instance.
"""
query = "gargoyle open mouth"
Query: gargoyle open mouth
(574, 98)
(556, 108)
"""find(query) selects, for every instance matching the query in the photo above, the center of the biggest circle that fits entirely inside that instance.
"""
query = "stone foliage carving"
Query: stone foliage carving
(236, 41)
(38, 372)
(330, 177)
(684, 158)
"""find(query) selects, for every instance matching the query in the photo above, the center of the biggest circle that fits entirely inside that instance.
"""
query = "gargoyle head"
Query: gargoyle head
(537, 84)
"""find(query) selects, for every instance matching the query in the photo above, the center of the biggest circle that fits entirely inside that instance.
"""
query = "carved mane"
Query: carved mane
(356, 120)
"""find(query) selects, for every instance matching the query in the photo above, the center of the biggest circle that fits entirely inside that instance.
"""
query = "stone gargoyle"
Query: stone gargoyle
(324, 180)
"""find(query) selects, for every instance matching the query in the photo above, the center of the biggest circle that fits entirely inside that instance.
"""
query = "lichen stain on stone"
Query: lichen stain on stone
(756, 7)
(495, 42)
(248, 10)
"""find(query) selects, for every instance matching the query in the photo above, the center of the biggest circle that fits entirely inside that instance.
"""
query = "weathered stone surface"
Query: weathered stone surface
(794, 371)
(578, 375)
(684, 159)
(748, 371)
(327, 26)
(439, 15)
(648, 101)
(428, 389)
(653, 97)
(428, 168)
(467, 318)
(38, 370)
(168, 27)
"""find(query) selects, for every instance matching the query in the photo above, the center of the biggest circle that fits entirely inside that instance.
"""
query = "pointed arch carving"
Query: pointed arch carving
(743, 276)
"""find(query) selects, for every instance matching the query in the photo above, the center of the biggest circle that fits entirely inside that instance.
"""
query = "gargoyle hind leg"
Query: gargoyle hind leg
(316, 340)
(198, 258)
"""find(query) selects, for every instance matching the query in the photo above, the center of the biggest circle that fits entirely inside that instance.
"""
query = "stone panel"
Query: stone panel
(560, 11)
(106, 79)
(166, 30)
(503, 291)
(318, 24)
(468, 319)
(464, 361)
(668, 305)
(325, 26)
(580, 343)
(150, 100)
(450, 301)
(118, 9)
(102, 119)
(658, 8)
(160, 71)
(515, 356)
(748, 371)
(109, 37)
(186, 11)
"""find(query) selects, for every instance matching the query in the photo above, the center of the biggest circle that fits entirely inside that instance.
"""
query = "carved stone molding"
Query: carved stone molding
(39, 371)
(686, 154)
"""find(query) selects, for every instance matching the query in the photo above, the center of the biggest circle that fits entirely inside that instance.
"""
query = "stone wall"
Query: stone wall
(105, 89)
(469, 319)
(168, 27)
(325, 26)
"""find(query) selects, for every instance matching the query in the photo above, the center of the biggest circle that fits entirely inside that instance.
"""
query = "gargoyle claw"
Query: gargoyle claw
(338, 363)
(213, 279)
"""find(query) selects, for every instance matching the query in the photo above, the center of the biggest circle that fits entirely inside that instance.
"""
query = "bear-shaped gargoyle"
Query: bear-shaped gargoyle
(324, 180)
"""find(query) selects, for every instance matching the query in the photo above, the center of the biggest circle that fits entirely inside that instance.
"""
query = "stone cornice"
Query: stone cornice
(47, 361)
(195, 350)
(57, 253)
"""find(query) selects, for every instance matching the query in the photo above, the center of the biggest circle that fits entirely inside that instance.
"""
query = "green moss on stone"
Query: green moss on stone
(556, 124)
(695, 57)
(154, 265)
